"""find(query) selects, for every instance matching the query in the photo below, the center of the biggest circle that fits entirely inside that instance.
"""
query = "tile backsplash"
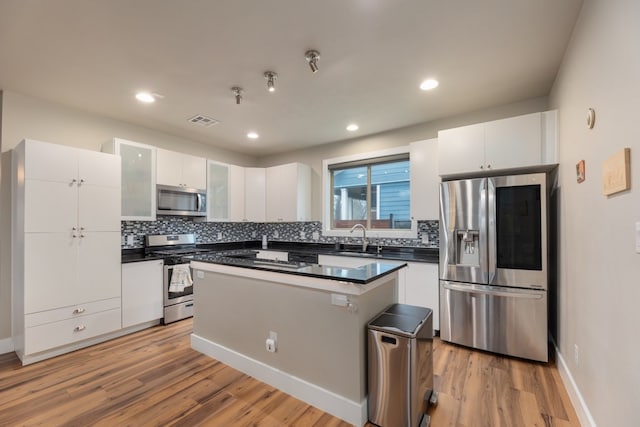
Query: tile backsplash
(133, 232)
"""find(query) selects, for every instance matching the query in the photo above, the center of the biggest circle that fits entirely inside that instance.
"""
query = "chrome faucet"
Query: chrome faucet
(365, 243)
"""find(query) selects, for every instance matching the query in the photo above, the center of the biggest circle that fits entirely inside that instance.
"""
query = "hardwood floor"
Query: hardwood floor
(154, 378)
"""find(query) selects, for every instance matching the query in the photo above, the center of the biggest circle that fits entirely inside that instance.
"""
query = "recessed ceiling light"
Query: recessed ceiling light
(429, 84)
(252, 135)
(352, 127)
(145, 97)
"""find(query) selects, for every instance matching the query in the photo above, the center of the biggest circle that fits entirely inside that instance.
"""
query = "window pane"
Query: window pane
(349, 197)
(390, 198)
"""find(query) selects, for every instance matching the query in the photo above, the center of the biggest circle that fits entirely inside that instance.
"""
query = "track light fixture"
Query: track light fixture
(237, 91)
(312, 57)
(271, 77)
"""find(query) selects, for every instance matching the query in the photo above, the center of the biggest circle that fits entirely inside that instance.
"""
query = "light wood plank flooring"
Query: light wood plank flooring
(154, 378)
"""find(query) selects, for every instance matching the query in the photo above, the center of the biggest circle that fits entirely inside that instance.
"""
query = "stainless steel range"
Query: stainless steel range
(176, 250)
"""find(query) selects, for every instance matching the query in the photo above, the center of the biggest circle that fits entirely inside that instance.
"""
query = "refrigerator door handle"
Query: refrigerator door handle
(475, 289)
(491, 228)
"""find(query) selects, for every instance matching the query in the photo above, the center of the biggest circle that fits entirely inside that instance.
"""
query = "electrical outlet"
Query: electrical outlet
(276, 234)
(302, 235)
(219, 236)
(576, 354)
(315, 235)
(272, 342)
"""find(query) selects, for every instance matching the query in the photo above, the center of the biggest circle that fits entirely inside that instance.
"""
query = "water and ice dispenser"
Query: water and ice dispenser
(467, 247)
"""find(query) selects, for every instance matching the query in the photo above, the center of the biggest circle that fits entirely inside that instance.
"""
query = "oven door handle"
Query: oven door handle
(484, 290)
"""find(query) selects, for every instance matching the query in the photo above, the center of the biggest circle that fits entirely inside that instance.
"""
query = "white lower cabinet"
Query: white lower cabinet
(421, 288)
(141, 292)
(47, 330)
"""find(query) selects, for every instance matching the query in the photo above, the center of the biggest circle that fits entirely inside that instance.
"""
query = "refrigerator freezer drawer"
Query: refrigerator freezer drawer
(502, 320)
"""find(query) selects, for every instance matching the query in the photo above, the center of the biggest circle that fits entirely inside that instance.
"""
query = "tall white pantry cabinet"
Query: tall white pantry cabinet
(66, 262)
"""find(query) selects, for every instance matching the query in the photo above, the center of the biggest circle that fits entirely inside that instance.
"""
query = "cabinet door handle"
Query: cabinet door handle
(73, 181)
(481, 167)
(79, 328)
(488, 166)
(78, 310)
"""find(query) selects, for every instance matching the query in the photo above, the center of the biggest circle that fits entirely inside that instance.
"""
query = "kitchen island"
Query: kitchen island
(316, 314)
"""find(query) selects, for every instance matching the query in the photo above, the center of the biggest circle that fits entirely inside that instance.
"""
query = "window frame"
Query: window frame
(327, 194)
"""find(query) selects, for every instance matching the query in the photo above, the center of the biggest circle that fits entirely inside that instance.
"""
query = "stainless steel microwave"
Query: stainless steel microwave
(182, 201)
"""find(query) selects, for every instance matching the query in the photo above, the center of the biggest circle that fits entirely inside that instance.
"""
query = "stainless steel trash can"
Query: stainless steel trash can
(400, 366)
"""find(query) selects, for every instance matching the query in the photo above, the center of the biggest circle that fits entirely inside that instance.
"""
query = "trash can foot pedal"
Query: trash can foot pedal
(433, 399)
(425, 421)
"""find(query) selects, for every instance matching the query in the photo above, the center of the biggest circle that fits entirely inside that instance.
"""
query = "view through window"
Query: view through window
(374, 193)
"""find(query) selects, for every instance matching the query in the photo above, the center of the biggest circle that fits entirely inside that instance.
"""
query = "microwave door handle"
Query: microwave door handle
(199, 202)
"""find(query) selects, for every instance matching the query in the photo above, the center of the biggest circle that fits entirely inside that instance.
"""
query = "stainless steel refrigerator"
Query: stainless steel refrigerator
(494, 264)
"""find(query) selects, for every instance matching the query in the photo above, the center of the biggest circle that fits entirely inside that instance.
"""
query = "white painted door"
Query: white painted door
(141, 292)
(254, 194)
(461, 149)
(98, 208)
(281, 193)
(236, 193)
(50, 206)
(50, 162)
(421, 288)
(98, 266)
(194, 171)
(168, 167)
(98, 169)
(50, 271)
(514, 142)
(424, 179)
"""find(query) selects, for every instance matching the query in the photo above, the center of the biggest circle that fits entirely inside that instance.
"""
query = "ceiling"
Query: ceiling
(95, 55)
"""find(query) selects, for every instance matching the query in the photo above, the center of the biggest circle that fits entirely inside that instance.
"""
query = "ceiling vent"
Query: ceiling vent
(204, 121)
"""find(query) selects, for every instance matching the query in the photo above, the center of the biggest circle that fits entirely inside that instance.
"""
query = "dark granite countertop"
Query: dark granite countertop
(244, 258)
(407, 254)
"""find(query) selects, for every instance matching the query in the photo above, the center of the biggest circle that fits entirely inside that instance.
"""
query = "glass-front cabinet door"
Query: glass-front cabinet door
(217, 191)
(138, 178)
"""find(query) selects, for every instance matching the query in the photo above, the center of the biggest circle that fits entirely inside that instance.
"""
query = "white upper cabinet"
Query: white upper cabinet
(424, 179)
(255, 181)
(513, 142)
(288, 193)
(181, 170)
(501, 144)
(138, 178)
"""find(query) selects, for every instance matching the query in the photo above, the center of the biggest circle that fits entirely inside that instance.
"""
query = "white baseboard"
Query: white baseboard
(338, 406)
(582, 410)
(6, 345)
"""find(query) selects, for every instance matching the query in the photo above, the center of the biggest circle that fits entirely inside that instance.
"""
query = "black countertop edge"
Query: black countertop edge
(409, 254)
(356, 275)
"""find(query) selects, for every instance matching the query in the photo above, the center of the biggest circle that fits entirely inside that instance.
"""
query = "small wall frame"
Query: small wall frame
(616, 174)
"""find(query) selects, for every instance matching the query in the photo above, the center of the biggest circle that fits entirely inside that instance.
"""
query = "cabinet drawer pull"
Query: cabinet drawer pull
(79, 328)
(78, 311)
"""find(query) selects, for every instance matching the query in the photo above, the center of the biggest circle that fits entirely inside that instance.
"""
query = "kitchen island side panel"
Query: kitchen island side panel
(318, 342)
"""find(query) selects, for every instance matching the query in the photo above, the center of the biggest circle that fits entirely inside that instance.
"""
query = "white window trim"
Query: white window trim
(411, 233)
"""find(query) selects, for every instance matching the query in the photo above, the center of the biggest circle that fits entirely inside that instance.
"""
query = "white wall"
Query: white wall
(599, 276)
(28, 117)
(394, 138)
